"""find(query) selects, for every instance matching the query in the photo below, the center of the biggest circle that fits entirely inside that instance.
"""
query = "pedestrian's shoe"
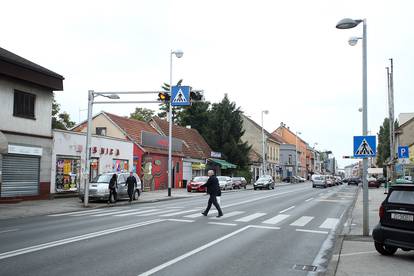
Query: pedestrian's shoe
(204, 214)
(219, 215)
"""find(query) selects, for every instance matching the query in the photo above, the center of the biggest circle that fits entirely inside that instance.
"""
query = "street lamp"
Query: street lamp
(178, 54)
(348, 23)
(296, 149)
(263, 144)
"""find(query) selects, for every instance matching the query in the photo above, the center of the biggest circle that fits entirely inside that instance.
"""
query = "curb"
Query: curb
(337, 248)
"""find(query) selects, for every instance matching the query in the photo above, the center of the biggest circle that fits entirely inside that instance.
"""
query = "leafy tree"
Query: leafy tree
(165, 106)
(197, 116)
(142, 114)
(60, 120)
(383, 148)
(225, 130)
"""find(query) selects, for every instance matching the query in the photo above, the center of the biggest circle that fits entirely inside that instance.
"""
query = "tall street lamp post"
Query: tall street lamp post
(348, 23)
(263, 144)
(178, 54)
(296, 149)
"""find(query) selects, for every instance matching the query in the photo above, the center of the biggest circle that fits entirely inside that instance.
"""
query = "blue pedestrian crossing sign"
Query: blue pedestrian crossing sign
(403, 152)
(180, 96)
(365, 146)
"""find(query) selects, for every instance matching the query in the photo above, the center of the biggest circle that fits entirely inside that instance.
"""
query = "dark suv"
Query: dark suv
(396, 227)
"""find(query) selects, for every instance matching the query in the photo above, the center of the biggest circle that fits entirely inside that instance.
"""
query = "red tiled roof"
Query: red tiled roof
(194, 144)
(278, 138)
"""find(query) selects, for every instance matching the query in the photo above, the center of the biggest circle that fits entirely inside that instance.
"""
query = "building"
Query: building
(405, 137)
(26, 92)
(253, 136)
(288, 160)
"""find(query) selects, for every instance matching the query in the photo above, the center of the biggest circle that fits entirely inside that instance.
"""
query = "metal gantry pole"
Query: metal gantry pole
(170, 132)
(365, 129)
(87, 151)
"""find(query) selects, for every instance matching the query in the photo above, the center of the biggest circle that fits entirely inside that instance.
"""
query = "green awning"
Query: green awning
(223, 163)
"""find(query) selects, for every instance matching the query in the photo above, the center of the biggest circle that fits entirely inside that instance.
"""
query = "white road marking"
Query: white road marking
(302, 221)
(264, 227)
(87, 212)
(42, 246)
(113, 213)
(287, 209)
(7, 231)
(312, 231)
(199, 214)
(179, 213)
(276, 219)
(309, 199)
(197, 250)
(136, 213)
(181, 220)
(329, 223)
(156, 213)
(251, 217)
(222, 223)
(229, 215)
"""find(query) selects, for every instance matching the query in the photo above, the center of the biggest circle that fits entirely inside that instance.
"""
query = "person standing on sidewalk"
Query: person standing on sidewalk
(113, 185)
(213, 189)
(131, 182)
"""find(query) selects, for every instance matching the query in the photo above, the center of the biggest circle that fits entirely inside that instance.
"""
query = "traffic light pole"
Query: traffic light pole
(170, 119)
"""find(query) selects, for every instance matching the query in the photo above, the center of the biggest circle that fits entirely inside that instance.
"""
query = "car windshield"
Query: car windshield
(237, 178)
(321, 177)
(103, 178)
(200, 179)
(402, 197)
(263, 178)
(222, 178)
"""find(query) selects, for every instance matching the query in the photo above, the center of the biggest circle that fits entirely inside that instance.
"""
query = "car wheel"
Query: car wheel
(273, 187)
(313, 186)
(385, 249)
(268, 187)
(255, 188)
(136, 195)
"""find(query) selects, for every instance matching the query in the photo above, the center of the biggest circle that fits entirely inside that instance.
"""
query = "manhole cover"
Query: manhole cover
(305, 267)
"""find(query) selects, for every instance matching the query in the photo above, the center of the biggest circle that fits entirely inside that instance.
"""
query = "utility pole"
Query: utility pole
(390, 80)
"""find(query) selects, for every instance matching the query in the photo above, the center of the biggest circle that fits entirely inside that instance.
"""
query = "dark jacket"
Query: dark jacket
(212, 185)
(113, 185)
(131, 182)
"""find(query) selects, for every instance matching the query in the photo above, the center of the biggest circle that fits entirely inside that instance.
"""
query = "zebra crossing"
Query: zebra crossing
(230, 219)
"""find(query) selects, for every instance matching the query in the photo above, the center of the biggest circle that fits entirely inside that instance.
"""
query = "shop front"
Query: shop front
(107, 155)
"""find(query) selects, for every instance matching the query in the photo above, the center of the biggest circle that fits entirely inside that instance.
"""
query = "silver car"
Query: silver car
(265, 181)
(319, 181)
(98, 187)
(225, 182)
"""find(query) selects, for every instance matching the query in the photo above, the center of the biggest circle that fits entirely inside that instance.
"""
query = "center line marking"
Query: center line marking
(309, 199)
(287, 209)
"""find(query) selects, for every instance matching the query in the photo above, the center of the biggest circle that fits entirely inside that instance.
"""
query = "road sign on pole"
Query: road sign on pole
(403, 152)
(180, 96)
(365, 146)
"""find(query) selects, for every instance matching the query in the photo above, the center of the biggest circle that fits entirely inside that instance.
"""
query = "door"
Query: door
(122, 189)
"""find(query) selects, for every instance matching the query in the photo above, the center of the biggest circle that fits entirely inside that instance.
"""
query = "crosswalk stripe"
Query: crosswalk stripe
(329, 223)
(229, 215)
(156, 213)
(302, 221)
(251, 217)
(179, 213)
(78, 213)
(199, 214)
(136, 213)
(276, 219)
(113, 213)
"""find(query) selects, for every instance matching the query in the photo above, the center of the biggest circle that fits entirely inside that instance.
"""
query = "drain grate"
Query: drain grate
(305, 267)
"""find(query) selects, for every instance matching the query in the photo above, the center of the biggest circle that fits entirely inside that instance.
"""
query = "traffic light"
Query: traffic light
(196, 96)
(163, 96)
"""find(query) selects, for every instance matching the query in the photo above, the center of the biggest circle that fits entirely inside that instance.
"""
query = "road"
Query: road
(261, 233)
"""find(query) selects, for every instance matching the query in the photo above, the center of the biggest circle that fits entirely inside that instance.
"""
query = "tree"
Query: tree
(142, 114)
(225, 130)
(197, 116)
(60, 120)
(383, 149)
(165, 106)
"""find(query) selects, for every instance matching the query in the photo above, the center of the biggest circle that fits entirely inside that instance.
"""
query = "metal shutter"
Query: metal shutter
(20, 175)
(187, 171)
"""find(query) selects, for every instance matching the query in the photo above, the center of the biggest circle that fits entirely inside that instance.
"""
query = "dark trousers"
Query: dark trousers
(112, 192)
(130, 194)
(213, 200)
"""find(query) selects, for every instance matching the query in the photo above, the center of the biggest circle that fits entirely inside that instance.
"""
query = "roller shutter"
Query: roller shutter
(20, 175)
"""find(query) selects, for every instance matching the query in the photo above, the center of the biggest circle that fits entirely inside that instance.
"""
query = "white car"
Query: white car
(225, 182)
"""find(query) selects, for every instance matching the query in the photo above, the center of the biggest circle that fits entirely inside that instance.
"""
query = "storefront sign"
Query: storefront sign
(160, 142)
(25, 150)
(215, 154)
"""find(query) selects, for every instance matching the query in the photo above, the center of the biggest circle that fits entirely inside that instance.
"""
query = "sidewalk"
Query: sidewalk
(358, 256)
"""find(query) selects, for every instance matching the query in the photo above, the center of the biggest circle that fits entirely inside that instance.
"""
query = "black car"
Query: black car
(396, 227)
(354, 181)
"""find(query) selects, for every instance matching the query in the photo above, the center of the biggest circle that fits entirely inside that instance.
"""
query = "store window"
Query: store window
(67, 174)
(101, 131)
(119, 165)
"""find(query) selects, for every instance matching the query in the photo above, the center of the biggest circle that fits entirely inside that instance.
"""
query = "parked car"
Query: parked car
(301, 179)
(338, 180)
(396, 226)
(239, 182)
(289, 179)
(266, 181)
(330, 180)
(373, 182)
(354, 181)
(195, 185)
(98, 187)
(345, 180)
(319, 181)
(225, 182)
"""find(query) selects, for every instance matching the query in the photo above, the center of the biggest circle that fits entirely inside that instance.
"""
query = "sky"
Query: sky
(286, 57)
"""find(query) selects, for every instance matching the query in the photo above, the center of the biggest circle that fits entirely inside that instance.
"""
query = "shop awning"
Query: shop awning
(198, 166)
(223, 163)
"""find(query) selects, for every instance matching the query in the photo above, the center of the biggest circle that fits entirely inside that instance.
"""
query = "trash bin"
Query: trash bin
(184, 183)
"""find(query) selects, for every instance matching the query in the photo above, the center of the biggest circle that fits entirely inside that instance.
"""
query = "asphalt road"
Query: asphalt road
(261, 233)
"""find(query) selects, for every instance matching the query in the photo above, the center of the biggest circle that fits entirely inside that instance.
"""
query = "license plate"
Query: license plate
(403, 217)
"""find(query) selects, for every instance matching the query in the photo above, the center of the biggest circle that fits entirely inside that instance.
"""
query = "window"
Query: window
(101, 131)
(177, 167)
(24, 104)
(290, 159)
(402, 197)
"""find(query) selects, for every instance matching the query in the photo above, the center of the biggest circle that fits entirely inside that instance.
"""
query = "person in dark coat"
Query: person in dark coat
(113, 186)
(131, 182)
(213, 189)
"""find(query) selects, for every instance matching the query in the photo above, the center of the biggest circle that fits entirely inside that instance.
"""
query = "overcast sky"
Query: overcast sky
(283, 56)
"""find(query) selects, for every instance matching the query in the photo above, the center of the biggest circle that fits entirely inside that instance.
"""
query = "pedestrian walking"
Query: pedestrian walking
(131, 182)
(113, 186)
(213, 189)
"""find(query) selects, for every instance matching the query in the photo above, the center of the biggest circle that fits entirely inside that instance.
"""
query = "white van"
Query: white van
(319, 180)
